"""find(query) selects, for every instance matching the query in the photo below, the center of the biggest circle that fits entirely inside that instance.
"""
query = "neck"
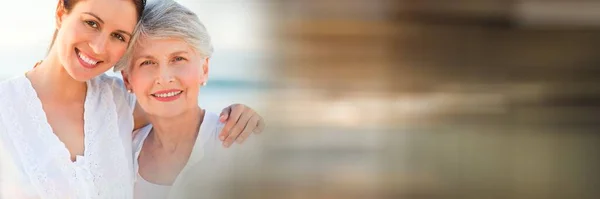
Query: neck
(170, 132)
(50, 79)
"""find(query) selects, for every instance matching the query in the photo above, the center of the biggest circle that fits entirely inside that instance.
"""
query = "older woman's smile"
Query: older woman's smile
(167, 95)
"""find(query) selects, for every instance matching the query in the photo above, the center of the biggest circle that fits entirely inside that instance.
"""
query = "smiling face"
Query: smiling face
(166, 75)
(93, 36)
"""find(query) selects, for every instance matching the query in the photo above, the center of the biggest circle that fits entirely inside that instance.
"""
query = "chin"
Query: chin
(78, 73)
(168, 113)
(79, 76)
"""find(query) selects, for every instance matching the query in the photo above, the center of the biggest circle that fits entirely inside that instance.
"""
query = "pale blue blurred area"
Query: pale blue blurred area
(237, 29)
(240, 65)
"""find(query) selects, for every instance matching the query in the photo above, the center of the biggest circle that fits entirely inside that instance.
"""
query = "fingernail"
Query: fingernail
(226, 144)
(221, 138)
(239, 141)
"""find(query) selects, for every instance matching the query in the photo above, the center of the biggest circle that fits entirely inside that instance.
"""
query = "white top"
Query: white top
(207, 158)
(35, 164)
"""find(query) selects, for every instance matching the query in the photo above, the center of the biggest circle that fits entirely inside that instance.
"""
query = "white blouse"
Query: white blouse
(203, 172)
(35, 164)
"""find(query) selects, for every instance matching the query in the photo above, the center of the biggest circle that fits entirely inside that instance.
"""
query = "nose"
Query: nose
(165, 75)
(98, 45)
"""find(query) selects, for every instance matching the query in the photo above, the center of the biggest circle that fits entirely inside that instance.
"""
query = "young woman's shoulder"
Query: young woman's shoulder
(13, 83)
(113, 82)
(117, 89)
(14, 91)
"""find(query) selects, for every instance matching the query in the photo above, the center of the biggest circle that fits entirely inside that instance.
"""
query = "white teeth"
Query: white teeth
(87, 59)
(169, 94)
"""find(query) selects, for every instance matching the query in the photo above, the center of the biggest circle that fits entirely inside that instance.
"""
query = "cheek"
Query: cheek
(117, 50)
(192, 84)
(191, 75)
(140, 82)
(70, 35)
(64, 39)
(74, 33)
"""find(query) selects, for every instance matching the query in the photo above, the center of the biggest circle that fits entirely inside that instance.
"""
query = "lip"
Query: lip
(167, 99)
(83, 63)
(166, 91)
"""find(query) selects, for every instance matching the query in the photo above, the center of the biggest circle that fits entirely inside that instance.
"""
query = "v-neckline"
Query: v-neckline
(196, 154)
(56, 142)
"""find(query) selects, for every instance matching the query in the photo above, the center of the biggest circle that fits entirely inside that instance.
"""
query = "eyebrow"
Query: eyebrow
(102, 22)
(124, 32)
(143, 57)
(179, 52)
(89, 13)
(152, 57)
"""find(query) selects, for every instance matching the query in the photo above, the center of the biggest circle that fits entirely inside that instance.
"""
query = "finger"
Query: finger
(225, 114)
(250, 126)
(260, 127)
(238, 128)
(236, 111)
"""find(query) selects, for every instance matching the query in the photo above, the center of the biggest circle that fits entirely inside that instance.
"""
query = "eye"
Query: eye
(147, 62)
(91, 23)
(119, 37)
(179, 59)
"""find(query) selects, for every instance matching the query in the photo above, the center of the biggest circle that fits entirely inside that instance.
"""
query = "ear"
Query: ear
(204, 71)
(60, 13)
(126, 80)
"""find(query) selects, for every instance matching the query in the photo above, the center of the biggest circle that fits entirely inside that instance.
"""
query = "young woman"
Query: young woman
(65, 126)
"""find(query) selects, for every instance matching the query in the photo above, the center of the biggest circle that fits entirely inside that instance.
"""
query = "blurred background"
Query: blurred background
(396, 98)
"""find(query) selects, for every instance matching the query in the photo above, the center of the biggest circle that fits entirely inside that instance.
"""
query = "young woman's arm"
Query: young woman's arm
(248, 122)
(241, 121)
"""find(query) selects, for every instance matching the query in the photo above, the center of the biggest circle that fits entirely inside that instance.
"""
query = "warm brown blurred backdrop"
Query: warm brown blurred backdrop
(434, 99)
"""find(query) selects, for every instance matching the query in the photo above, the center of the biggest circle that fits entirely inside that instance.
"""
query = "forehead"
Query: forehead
(116, 14)
(148, 46)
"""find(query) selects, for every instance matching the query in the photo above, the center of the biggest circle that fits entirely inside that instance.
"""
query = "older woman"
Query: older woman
(165, 69)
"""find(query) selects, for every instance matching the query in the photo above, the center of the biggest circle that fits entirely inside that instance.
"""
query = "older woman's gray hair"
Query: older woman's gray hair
(165, 19)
